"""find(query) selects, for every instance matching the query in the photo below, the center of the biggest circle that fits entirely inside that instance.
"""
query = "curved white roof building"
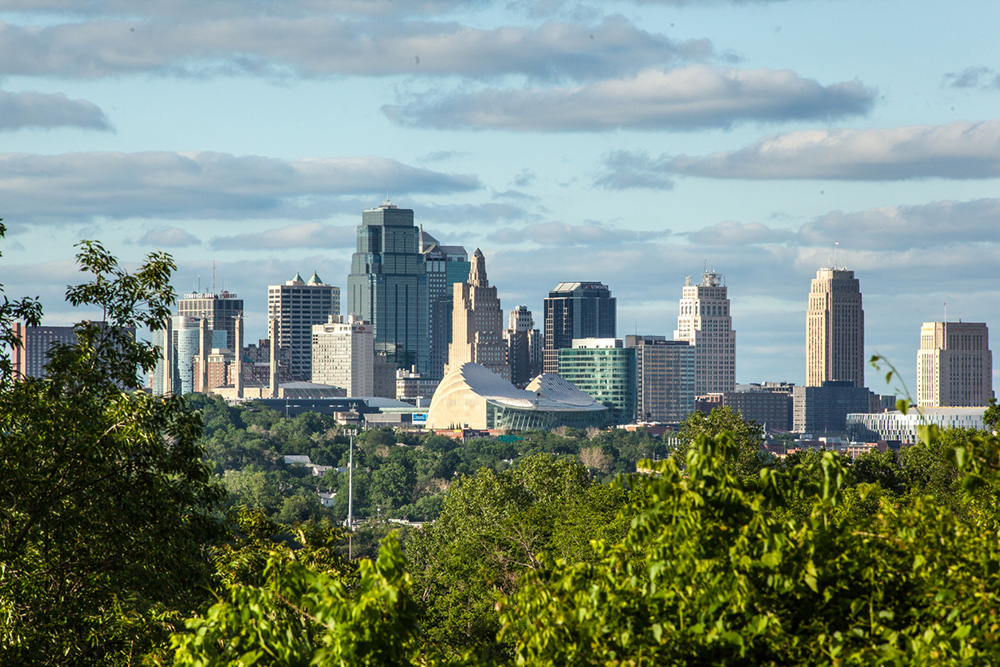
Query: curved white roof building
(472, 396)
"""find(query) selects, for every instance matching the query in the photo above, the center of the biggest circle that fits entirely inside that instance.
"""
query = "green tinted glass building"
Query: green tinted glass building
(604, 369)
(388, 285)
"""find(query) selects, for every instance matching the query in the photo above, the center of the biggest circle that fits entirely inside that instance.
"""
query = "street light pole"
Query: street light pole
(350, 498)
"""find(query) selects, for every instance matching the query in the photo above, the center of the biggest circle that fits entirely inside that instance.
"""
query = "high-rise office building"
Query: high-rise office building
(664, 378)
(835, 329)
(344, 355)
(477, 323)
(220, 310)
(30, 357)
(524, 347)
(705, 321)
(954, 365)
(604, 369)
(576, 310)
(295, 307)
(445, 266)
(388, 286)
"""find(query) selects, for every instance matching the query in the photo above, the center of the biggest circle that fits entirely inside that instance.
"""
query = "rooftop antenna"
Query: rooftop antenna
(835, 244)
(213, 276)
(945, 311)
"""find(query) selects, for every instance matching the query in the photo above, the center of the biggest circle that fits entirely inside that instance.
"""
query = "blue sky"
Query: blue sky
(626, 142)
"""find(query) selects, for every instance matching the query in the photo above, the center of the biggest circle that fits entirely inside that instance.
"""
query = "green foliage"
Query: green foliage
(747, 436)
(712, 572)
(26, 309)
(301, 616)
(105, 505)
(992, 416)
(491, 531)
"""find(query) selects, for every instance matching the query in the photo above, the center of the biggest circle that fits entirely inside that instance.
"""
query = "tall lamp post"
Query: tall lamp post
(350, 497)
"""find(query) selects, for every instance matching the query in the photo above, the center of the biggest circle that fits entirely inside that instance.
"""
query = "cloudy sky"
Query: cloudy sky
(630, 142)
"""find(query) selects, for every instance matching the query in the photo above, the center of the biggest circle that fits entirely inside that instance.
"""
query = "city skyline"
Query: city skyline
(555, 136)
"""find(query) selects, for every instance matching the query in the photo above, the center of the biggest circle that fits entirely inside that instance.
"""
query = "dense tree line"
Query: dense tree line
(398, 474)
(169, 531)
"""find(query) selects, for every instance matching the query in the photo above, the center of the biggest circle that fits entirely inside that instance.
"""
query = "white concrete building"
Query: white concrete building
(343, 355)
(705, 321)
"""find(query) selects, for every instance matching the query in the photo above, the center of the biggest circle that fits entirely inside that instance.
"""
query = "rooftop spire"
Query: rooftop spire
(477, 272)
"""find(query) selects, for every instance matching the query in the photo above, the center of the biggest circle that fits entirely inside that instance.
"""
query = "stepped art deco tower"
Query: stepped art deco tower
(835, 329)
(477, 323)
(705, 321)
(388, 286)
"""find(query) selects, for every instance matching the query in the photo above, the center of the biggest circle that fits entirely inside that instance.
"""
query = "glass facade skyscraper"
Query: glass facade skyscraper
(445, 265)
(576, 310)
(388, 286)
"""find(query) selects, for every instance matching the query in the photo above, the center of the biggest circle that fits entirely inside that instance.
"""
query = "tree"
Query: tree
(105, 505)
(992, 416)
(300, 615)
(712, 572)
(490, 532)
(747, 436)
(29, 310)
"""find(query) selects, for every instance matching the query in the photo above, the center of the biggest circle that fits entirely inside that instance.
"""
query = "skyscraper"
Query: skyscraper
(524, 347)
(445, 265)
(295, 307)
(954, 365)
(664, 378)
(388, 286)
(30, 357)
(705, 321)
(576, 310)
(477, 323)
(835, 329)
(220, 310)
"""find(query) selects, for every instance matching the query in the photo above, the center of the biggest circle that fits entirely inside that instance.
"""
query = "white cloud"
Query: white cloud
(229, 8)
(184, 185)
(959, 150)
(168, 237)
(625, 170)
(738, 234)
(935, 225)
(303, 235)
(554, 233)
(323, 45)
(688, 98)
(49, 110)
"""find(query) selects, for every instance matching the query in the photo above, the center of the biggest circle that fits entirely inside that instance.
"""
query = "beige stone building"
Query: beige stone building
(477, 323)
(835, 329)
(954, 365)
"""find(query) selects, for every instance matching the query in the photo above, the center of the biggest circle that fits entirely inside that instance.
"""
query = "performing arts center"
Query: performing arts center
(472, 396)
